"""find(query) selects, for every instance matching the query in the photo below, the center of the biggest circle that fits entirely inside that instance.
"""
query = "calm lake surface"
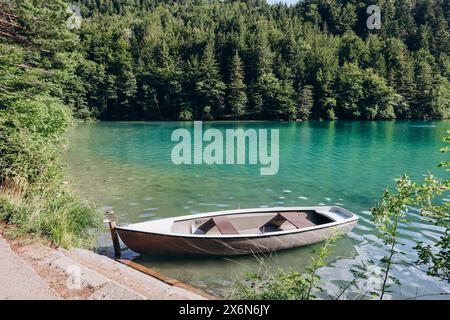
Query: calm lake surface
(127, 166)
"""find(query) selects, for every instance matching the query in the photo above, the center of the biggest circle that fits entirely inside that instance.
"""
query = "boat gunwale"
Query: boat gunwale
(243, 236)
(344, 221)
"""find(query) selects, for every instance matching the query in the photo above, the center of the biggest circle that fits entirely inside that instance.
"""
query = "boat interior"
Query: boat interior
(250, 223)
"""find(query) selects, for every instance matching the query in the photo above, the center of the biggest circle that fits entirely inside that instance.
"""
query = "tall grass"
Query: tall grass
(33, 197)
(60, 217)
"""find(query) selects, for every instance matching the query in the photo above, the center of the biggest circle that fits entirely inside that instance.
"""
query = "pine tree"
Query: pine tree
(305, 102)
(126, 80)
(264, 55)
(237, 97)
(424, 83)
(400, 75)
(209, 86)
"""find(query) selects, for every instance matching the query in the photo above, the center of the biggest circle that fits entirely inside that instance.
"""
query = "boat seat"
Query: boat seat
(222, 223)
(297, 219)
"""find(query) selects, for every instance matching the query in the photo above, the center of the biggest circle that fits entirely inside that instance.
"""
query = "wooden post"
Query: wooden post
(111, 220)
(115, 239)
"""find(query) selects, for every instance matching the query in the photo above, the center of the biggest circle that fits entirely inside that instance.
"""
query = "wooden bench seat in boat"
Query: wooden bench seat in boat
(298, 220)
(224, 225)
(221, 222)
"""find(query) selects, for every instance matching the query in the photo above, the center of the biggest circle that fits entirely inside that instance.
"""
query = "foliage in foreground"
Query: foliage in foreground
(285, 285)
(34, 114)
(426, 197)
(393, 209)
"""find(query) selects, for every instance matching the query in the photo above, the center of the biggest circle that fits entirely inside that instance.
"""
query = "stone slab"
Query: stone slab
(114, 291)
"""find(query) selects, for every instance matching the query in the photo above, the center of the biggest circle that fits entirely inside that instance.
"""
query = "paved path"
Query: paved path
(100, 278)
(18, 280)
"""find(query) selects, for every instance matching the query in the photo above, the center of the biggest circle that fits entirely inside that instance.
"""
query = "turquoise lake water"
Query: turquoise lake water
(127, 166)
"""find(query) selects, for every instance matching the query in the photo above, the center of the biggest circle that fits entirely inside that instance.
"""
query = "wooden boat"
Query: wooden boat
(237, 232)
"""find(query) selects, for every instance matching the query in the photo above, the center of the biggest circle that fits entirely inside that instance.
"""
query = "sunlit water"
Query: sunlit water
(127, 166)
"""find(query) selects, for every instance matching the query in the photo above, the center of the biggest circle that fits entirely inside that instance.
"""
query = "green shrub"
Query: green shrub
(281, 285)
(30, 140)
(32, 195)
(58, 216)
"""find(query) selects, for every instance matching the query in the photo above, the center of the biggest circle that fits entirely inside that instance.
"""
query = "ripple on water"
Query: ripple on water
(354, 236)
(424, 225)
(374, 239)
(367, 223)
(147, 215)
(363, 227)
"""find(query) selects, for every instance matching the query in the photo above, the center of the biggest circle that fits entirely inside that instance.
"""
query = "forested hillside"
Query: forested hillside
(199, 59)
(170, 60)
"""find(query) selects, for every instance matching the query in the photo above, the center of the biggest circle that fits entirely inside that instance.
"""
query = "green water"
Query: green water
(128, 166)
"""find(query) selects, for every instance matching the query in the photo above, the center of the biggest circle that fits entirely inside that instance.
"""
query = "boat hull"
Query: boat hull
(159, 244)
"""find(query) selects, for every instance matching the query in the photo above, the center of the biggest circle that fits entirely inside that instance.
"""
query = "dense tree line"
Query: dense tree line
(198, 59)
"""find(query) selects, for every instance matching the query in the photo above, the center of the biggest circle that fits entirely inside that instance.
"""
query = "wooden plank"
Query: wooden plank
(224, 225)
(297, 219)
(164, 278)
